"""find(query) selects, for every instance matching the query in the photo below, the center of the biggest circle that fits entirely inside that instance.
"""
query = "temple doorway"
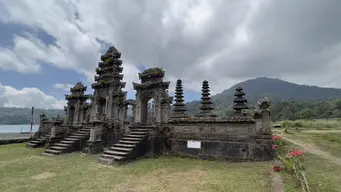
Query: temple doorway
(148, 111)
(71, 115)
(130, 115)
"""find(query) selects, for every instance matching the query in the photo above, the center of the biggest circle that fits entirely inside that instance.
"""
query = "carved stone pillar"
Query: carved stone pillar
(95, 143)
(158, 109)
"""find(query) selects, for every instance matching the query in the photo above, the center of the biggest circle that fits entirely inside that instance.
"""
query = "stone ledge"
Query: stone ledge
(12, 141)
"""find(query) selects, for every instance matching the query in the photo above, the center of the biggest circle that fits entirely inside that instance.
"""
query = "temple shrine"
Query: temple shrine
(102, 126)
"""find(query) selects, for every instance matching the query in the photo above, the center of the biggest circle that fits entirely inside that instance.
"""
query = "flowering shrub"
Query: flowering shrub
(291, 161)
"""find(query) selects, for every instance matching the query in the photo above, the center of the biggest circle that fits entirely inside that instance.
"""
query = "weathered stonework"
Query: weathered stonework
(221, 139)
(237, 137)
(103, 126)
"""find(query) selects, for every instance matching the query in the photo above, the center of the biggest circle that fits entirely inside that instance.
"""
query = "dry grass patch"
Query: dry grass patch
(42, 176)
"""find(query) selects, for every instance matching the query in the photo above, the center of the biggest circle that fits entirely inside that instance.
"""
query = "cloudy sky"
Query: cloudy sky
(48, 45)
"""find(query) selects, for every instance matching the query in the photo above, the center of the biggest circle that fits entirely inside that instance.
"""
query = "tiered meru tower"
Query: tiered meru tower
(206, 103)
(179, 106)
(108, 95)
(108, 113)
(240, 101)
(76, 105)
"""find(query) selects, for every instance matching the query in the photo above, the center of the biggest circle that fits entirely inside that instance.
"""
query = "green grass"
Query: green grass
(329, 142)
(24, 170)
(318, 124)
(323, 175)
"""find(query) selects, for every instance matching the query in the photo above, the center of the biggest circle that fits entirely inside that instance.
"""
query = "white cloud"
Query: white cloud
(64, 87)
(221, 41)
(27, 97)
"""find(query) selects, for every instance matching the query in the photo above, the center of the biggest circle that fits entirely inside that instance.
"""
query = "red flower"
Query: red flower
(276, 137)
(276, 168)
(295, 153)
(274, 147)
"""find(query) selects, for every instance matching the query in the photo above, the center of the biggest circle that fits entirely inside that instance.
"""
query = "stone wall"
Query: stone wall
(12, 141)
(236, 141)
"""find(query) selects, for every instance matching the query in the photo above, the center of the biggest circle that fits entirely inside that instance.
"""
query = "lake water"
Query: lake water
(17, 128)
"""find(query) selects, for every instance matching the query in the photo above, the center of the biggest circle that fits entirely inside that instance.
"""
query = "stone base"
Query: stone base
(112, 137)
(154, 146)
(259, 150)
(94, 147)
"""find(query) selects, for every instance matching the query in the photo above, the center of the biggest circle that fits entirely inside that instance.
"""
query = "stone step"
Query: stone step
(53, 151)
(44, 137)
(76, 137)
(128, 142)
(124, 145)
(126, 149)
(58, 148)
(40, 139)
(132, 138)
(83, 132)
(139, 133)
(32, 144)
(106, 160)
(71, 139)
(140, 130)
(135, 136)
(68, 142)
(109, 152)
(62, 144)
(35, 141)
(115, 157)
(48, 154)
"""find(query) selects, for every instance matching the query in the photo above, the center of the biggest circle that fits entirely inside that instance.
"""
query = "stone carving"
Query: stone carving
(231, 130)
(104, 121)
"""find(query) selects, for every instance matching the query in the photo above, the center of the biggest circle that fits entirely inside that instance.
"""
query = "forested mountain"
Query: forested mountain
(275, 89)
(289, 101)
(16, 116)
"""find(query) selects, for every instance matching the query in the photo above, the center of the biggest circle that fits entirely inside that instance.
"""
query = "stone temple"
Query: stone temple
(102, 126)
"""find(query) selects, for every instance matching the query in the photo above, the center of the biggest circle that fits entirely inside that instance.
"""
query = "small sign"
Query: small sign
(194, 144)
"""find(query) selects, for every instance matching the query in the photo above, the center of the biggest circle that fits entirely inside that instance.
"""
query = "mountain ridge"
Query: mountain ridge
(277, 90)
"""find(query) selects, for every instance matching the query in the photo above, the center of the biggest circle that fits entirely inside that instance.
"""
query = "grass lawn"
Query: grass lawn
(329, 142)
(24, 170)
(323, 175)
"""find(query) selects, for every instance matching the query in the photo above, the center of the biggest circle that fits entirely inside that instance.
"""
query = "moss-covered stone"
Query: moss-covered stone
(120, 98)
(98, 70)
(108, 61)
(152, 72)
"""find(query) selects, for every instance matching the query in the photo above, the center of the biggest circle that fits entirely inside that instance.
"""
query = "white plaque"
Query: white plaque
(194, 144)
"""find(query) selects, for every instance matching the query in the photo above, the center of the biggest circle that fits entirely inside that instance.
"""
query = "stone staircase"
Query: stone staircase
(74, 142)
(131, 146)
(38, 142)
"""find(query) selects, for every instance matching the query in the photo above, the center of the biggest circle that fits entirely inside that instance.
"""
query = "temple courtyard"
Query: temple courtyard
(23, 169)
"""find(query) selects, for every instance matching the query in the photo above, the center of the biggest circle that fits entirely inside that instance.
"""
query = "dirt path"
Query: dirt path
(276, 182)
(310, 148)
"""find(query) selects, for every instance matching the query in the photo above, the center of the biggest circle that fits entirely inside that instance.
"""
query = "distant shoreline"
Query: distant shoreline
(11, 136)
(20, 124)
